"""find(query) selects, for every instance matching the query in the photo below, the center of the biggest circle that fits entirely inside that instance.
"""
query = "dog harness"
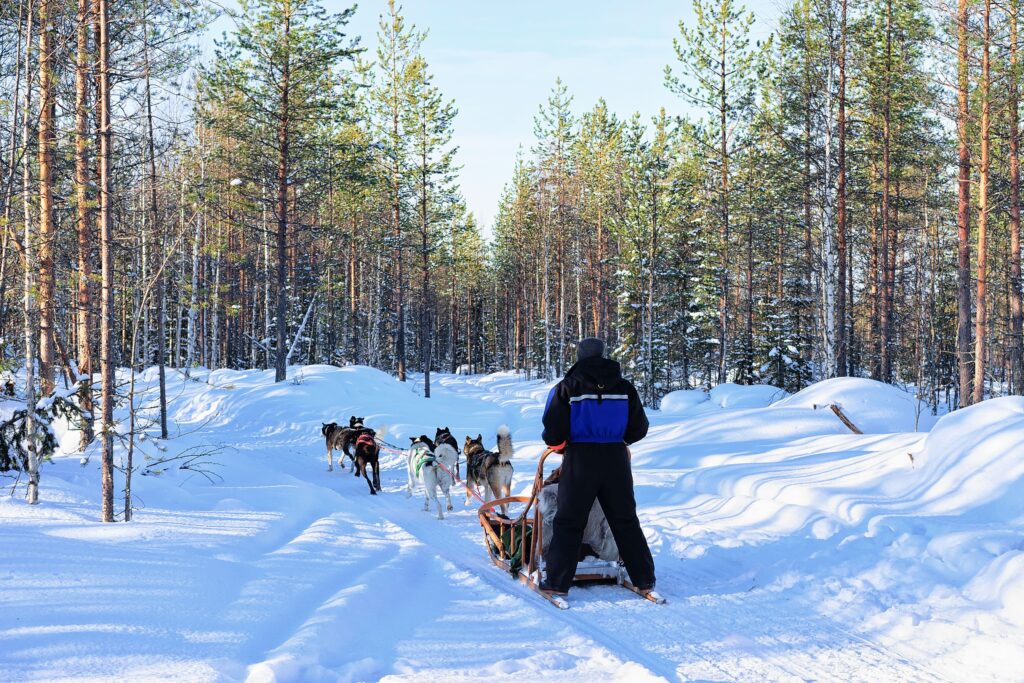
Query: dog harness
(421, 456)
(365, 439)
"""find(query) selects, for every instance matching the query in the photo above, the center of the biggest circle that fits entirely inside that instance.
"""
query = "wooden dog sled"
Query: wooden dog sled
(515, 544)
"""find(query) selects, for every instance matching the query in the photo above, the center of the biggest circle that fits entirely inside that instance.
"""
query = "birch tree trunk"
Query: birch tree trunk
(29, 305)
(193, 302)
(840, 316)
(106, 263)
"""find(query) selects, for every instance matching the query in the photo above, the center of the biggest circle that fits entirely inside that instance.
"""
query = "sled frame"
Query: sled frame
(588, 572)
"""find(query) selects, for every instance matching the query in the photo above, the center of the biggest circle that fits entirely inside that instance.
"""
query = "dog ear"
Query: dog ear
(412, 439)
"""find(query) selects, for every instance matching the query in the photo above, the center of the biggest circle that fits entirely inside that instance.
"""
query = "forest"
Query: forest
(842, 199)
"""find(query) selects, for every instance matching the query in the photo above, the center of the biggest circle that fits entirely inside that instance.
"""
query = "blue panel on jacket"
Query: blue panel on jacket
(599, 421)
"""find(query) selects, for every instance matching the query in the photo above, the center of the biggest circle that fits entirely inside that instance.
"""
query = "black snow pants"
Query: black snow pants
(600, 471)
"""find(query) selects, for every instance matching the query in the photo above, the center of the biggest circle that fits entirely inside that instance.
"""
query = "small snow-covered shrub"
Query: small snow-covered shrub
(15, 437)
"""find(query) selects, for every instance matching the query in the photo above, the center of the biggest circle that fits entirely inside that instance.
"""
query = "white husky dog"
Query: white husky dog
(427, 466)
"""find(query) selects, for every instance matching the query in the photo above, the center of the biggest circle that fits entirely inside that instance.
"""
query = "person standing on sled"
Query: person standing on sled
(594, 413)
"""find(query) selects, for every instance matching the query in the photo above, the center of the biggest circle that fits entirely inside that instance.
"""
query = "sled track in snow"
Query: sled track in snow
(698, 636)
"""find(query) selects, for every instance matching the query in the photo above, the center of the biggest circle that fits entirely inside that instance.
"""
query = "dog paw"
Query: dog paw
(450, 507)
(330, 469)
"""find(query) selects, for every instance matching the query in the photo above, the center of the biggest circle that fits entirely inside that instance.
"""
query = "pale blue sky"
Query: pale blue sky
(499, 60)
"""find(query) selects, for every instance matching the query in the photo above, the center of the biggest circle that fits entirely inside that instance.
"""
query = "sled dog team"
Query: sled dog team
(432, 464)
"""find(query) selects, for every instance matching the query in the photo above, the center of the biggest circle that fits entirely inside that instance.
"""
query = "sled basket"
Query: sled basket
(514, 542)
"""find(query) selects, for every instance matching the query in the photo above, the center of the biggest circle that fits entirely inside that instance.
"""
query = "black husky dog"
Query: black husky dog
(355, 428)
(444, 435)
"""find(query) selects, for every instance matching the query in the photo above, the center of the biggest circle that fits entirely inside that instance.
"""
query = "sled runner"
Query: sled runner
(515, 544)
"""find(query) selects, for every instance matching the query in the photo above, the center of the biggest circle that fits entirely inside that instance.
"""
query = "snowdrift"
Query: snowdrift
(726, 395)
(682, 400)
(875, 408)
(730, 395)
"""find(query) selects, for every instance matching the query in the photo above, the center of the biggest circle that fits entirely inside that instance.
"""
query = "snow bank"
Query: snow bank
(746, 396)
(729, 396)
(682, 400)
(875, 408)
(975, 457)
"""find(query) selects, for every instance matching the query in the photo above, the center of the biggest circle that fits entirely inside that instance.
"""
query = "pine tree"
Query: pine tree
(716, 54)
(274, 86)
(429, 119)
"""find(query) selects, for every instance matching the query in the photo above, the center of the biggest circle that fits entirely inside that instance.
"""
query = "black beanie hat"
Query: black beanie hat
(591, 347)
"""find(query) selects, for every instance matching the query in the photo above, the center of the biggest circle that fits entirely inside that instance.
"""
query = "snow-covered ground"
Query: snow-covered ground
(788, 547)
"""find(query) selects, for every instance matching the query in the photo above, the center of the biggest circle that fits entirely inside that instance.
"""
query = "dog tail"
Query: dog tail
(504, 444)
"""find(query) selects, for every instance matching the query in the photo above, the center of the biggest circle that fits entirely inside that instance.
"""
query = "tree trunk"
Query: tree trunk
(47, 236)
(193, 302)
(29, 305)
(280, 361)
(1016, 331)
(963, 213)
(840, 319)
(426, 331)
(981, 321)
(723, 303)
(106, 264)
(83, 312)
(885, 315)
(154, 219)
(12, 165)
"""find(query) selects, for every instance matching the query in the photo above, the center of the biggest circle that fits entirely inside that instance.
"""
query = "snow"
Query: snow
(730, 395)
(788, 547)
(683, 400)
(879, 408)
(722, 396)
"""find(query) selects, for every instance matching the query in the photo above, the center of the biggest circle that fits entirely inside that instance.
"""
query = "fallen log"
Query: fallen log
(846, 421)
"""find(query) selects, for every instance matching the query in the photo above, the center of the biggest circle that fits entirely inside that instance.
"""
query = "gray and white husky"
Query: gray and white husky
(431, 467)
(490, 470)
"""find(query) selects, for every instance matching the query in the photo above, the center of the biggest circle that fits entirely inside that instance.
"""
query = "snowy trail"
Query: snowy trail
(692, 637)
(790, 550)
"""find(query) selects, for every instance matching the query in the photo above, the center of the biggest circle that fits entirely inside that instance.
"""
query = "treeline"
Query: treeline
(842, 199)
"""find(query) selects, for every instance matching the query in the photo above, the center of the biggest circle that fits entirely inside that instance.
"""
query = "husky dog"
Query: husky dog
(335, 437)
(367, 455)
(427, 464)
(355, 427)
(492, 470)
(444, 435)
